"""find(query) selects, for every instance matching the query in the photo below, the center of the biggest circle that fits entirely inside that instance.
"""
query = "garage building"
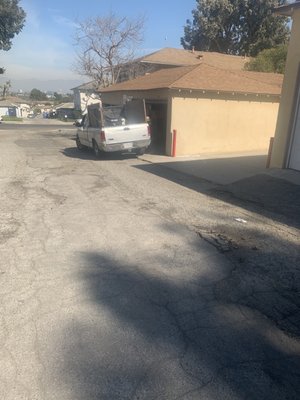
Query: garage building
(286, 148)
(212, 109)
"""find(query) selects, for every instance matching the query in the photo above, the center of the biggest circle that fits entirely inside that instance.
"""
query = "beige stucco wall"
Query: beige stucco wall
(287, 98)
(207, 125)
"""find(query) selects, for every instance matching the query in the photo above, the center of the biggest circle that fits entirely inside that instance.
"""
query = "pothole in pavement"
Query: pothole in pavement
(220, 241)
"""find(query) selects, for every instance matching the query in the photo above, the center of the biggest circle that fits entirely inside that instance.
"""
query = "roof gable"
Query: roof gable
(92, 85)
(6, 103)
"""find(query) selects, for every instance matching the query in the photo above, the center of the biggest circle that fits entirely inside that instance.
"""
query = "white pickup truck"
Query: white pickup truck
(115, 129)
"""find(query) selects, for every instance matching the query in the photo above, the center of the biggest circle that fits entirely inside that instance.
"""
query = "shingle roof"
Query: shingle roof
(16, 100)
(6, 103)
(65, 105)
(204, 77)
(181, 57)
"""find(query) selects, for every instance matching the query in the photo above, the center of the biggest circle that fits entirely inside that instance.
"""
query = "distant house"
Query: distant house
(213, 105)
(65, 111)
(24, 108)
(85, 95)
(9, 109)
(286, 148)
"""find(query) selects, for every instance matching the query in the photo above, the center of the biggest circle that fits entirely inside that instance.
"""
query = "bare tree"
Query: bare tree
(105, 45)
(5, 89)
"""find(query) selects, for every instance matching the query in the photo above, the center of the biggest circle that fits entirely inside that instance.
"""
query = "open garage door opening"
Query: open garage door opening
(157, 113)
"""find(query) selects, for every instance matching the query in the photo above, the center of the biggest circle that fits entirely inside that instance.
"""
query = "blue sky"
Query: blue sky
(44, 49)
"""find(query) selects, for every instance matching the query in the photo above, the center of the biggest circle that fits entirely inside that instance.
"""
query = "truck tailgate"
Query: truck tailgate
(126, 133)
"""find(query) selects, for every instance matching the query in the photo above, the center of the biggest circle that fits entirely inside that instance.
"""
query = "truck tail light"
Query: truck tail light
(102, 136)
(149, 130)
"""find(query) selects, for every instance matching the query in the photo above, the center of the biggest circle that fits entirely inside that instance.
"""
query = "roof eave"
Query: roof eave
(226, 92)
(286, 10)
(166, 63)
(202, 91)
(136, 89)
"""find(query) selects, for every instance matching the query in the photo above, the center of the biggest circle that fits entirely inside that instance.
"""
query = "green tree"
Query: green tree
(242, 27)
(67, 98)
(270, 60)
(214, 26)
(260, 28)
(57, 96)
(5, 89)
(37, 94)
(12, 19)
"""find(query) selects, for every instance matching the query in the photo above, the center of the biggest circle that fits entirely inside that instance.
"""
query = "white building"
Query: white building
(9, 109)
(85, 95)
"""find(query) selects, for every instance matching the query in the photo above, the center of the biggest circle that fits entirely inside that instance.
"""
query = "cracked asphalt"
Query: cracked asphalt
(125, 280)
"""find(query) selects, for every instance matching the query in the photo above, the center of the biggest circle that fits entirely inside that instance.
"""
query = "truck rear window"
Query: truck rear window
(113, 116)
(132, 112)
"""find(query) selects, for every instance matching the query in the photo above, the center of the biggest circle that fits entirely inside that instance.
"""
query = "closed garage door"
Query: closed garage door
(294, 159)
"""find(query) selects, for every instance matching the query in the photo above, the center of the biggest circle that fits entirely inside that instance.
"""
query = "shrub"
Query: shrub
(270, 60)
(9, 118)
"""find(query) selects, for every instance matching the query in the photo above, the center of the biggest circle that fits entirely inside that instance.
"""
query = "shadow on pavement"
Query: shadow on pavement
(168, 329)
(88, 154)
(216, 170)
(261, 193)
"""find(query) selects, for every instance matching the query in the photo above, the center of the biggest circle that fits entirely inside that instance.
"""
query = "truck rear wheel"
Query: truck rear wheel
(79, 145)
(141, 151)
(96, 149)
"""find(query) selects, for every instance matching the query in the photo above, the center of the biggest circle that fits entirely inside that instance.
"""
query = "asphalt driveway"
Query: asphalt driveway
(120, 279)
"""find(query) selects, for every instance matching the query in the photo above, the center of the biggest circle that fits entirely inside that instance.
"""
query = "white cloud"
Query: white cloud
(63, 21)
(58, 18)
